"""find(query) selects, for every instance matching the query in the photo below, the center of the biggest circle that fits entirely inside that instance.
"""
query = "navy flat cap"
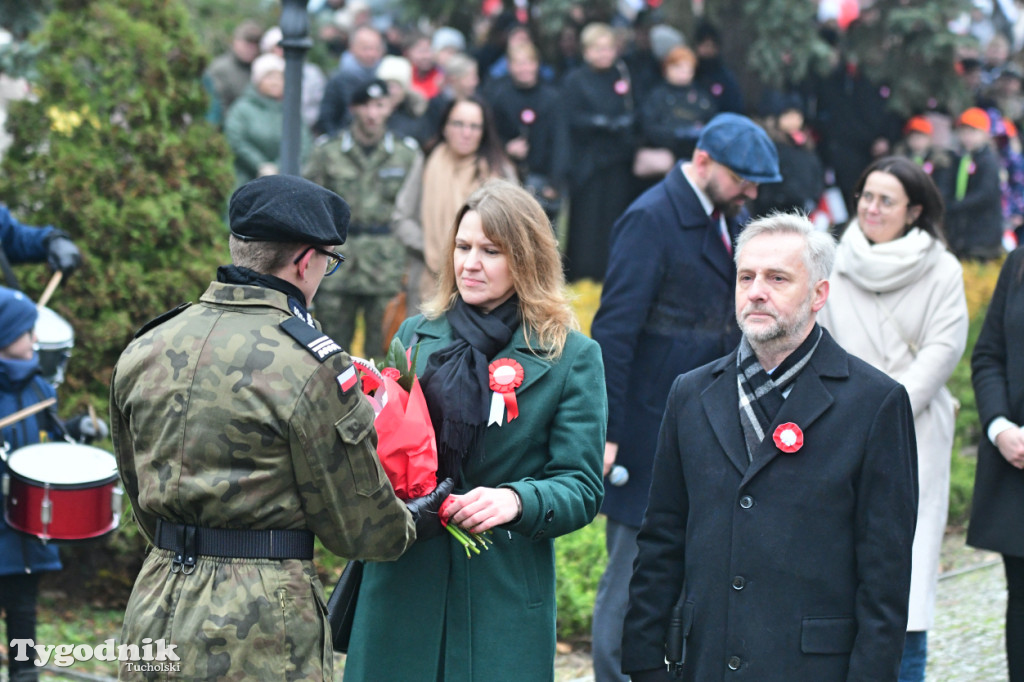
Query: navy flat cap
(742, 146)
(287, 208)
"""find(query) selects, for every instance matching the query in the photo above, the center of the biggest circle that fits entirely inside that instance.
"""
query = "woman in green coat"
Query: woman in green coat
(253, 123)
(500, 319)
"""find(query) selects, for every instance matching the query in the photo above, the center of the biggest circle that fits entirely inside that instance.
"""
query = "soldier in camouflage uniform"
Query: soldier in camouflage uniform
(367, 164)
(240, 432)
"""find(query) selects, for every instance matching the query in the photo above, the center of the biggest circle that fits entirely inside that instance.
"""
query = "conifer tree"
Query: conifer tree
(116, 152)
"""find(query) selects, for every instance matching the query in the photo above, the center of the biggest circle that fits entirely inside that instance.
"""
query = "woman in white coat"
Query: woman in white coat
(897, 301)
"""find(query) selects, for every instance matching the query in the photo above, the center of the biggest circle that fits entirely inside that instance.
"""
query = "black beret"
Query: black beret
(371, 89)
(287, 208)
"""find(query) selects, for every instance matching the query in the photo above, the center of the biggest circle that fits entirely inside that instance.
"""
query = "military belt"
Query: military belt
(188, 542)
(355, 228)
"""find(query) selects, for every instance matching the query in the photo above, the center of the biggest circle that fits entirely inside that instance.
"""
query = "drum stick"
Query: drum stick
(51, 286)
(92, 417)
(26, 412)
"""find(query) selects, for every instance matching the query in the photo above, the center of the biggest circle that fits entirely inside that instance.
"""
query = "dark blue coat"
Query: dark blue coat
(19, 388)
(667, 307)
(797, 566)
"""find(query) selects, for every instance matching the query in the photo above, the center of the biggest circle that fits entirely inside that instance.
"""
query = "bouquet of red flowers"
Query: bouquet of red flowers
(406, 444)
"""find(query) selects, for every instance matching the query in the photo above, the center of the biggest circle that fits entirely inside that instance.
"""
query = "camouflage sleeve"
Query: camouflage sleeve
(124, 451)
(345, 494)
(314, 168)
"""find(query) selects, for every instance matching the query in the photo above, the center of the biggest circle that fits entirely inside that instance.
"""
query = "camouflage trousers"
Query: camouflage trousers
(231, 619)
(337, 313)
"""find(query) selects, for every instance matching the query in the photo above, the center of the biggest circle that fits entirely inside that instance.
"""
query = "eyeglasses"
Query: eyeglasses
(333, 259)
(463, 125)
(742, 182)
(885, 203)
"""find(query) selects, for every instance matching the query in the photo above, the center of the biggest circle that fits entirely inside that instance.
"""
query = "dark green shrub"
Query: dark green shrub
(116, 153)
(580, 559)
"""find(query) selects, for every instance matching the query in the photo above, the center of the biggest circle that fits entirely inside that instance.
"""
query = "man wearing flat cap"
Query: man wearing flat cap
(666, 308)
(368, 164)
(241, 432)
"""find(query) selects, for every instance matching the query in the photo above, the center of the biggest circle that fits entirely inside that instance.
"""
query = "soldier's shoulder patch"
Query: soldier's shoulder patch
(316, 342)
(160, 319)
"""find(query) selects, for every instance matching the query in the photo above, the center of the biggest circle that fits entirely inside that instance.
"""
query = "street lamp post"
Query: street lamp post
(296, 42)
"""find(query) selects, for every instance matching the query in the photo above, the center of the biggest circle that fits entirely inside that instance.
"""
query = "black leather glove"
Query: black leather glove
(85, 429)
(424, 510)
(62, 254)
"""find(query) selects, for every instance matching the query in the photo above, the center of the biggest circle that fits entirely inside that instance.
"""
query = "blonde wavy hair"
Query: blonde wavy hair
(514, 221)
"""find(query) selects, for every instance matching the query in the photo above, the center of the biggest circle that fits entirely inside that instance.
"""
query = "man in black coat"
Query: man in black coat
(666, 308)
(781, 517)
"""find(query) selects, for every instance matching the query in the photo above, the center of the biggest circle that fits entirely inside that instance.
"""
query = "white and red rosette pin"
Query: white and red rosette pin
(506, 375)
(788, 437)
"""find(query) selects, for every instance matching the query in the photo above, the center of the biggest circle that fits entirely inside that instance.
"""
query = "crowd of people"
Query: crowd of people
(767, 377)
(637, 138)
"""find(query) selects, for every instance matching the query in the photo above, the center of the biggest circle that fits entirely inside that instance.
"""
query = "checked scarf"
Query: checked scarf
(761, 394)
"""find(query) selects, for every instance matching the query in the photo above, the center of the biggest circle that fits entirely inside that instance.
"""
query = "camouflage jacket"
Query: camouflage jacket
(222, 419)
(370, 184)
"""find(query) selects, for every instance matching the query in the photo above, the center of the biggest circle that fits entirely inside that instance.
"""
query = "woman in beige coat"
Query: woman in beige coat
(469, 153)
(897, 301)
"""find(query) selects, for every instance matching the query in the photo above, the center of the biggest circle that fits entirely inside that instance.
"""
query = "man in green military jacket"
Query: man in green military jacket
(368, 165)
(240, 432)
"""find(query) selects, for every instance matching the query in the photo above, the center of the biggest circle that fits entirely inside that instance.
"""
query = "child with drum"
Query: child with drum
(22, 557)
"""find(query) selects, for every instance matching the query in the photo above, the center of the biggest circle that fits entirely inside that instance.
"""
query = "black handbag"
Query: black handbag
(341, 607)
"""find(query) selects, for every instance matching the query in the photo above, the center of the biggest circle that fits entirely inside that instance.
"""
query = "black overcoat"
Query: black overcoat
(997, 371)
(666, 308)
(797, 567)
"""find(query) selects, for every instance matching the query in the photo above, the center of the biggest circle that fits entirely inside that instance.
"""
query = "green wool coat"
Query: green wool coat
(436, 615)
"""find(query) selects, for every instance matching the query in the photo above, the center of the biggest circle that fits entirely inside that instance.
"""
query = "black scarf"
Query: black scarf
(761, 393)
(456, 380)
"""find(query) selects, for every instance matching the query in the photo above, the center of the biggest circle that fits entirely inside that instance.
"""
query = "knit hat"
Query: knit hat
(448, 37)
(975, 117)
(287, 208)
(394, 68)
(918, 124)
(663, 39)
(271, 38)
(17, 315)
(264, 64)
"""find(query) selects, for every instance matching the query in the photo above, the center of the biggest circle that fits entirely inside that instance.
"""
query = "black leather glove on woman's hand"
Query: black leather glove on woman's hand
(424, 510)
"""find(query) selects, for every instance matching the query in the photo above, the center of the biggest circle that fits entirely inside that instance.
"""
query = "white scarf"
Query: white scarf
(888, 266)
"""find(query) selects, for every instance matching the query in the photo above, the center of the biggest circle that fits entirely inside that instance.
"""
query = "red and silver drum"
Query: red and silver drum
(62, 491)
(54, 340)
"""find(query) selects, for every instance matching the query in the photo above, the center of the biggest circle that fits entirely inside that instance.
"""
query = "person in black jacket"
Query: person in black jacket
(602, 144)
(803, 178)
(531, 125)
(712, 73)
(997, 512)
(676, 110)
(974, 218)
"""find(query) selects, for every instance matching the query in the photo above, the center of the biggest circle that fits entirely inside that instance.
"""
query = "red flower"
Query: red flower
(788, 437)
(392, 373)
